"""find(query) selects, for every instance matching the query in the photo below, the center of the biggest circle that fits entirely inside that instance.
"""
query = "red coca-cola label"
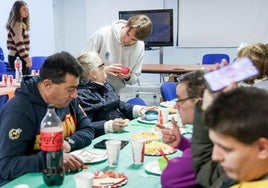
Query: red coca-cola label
(51, 140)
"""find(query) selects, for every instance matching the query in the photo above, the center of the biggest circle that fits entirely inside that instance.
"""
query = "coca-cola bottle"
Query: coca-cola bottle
(18, 69)
(51, 136)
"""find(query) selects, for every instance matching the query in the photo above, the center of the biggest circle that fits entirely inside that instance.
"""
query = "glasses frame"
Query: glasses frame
(101, 65)
(177, 100)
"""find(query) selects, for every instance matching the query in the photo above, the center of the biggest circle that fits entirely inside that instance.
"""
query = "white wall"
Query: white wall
(67, 25)
(226, 23)
(42, 29)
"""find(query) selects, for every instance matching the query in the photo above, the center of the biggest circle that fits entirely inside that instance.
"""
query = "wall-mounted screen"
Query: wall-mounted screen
(162, 34)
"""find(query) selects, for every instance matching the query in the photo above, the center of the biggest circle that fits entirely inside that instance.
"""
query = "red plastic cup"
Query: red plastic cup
(124, 70)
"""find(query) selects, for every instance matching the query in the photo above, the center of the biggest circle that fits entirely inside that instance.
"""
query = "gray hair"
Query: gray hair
(89, 60)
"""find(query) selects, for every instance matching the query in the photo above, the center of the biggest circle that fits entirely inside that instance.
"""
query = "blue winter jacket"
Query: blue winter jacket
(20, 130)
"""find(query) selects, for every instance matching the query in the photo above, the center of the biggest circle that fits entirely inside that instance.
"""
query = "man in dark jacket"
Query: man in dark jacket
(21, 117)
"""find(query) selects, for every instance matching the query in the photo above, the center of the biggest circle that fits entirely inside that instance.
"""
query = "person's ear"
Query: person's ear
(263, 148)
(47, 83)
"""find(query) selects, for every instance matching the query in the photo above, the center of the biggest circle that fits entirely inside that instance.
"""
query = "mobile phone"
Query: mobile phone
(101, 144)
(237, 71)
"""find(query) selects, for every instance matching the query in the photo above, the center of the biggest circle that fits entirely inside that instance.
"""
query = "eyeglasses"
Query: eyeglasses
(178, 100)
(101, 65)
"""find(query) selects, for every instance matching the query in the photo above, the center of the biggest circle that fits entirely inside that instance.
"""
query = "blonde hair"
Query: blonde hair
(142, 24)
(258, 54)
(89, 60)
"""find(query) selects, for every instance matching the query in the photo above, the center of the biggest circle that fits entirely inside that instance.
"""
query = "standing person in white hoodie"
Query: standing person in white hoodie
(121, 45)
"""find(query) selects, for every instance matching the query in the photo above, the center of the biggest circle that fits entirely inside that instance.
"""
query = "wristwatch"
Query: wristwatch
(70, 141)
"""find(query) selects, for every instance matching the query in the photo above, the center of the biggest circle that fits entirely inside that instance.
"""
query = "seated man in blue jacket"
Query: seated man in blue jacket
(99, 99)
(22, 115)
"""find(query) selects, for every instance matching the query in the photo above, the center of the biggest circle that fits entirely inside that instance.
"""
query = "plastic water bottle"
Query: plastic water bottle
(51, 136)
(18, 69)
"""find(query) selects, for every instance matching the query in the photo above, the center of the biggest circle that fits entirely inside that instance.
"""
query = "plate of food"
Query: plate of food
(152, 122)
(90, 155)
(168, 104)
(151, 148)
(151, 115)
(153, 167)
(110, 178)
(147, 136)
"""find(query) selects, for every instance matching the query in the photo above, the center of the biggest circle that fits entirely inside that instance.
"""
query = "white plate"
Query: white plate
(168, 104)
(153, 167)
(90, 155)
(145, 121)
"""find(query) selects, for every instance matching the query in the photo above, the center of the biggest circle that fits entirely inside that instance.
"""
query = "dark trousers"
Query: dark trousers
(25, 70)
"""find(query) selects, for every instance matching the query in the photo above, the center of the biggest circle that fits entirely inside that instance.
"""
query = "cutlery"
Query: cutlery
(163, 154)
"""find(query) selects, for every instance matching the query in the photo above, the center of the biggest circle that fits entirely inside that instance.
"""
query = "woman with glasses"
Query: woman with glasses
(179, 171)
(99, 99)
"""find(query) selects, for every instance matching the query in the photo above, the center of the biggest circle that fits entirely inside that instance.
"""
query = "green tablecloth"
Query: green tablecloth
(126, 166)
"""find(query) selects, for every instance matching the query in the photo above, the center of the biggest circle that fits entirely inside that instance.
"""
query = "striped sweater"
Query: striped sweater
(18, 40)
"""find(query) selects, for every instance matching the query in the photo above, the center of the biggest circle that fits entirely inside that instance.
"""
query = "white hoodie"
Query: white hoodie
(106, 42)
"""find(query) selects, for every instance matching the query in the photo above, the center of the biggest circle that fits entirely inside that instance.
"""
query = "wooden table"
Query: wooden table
(9, 90)
(172, 69)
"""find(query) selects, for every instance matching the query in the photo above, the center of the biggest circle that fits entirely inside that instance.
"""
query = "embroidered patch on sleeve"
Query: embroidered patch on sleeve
(14, 134)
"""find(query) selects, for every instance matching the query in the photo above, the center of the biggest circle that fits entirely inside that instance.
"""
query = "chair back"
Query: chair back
(37, 62)
(137, 101)
(2, 57)
(168, 91)
(214, 58)
(3, 100)
(3, 69)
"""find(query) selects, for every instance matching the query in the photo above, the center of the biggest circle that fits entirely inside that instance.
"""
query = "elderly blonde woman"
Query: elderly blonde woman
(99, 99)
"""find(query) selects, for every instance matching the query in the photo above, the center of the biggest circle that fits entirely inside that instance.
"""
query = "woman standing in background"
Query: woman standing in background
(18, 41)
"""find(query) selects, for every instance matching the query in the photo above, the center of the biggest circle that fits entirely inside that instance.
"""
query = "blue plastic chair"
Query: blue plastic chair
(3, 69)
(168, 91)
(214, 58)
(137, 101)
(2, 58)
(37, 62)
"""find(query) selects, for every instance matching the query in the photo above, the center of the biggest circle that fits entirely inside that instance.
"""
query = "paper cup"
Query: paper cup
(138, 147)
(84, 180)
(163, 115)
(113, 150)
(10, 80)
(4, 79)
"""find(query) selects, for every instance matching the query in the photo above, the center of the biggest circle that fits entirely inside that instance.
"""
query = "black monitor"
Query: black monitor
(162, 34)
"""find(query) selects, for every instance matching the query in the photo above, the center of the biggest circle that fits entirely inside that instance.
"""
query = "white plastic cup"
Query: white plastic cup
(138, 147)
(4, 79)
(113, 150)
(163, 115)
(10, 80)
(84, 180)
